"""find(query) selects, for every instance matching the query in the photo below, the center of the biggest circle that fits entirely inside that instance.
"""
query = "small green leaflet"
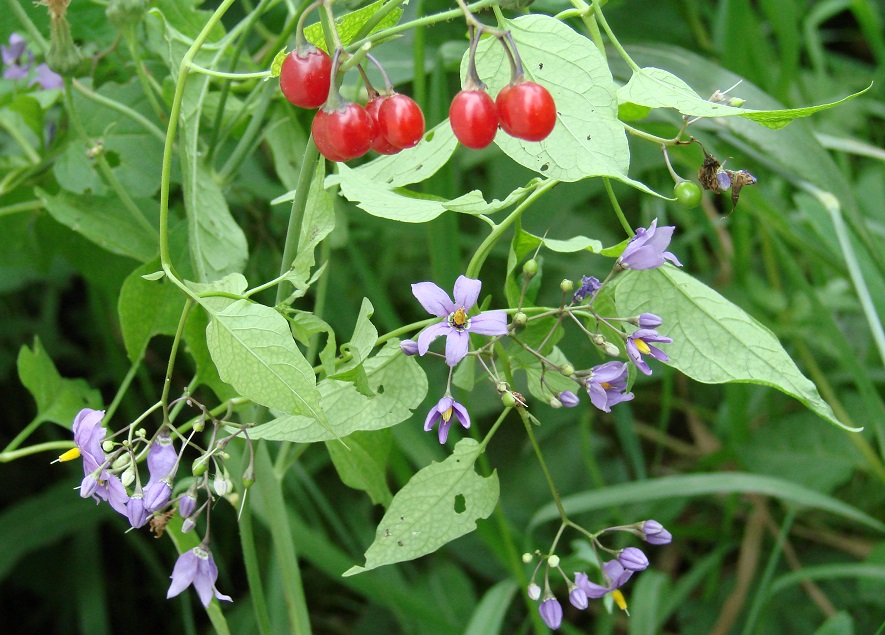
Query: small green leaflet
(441, 502)
(349, 24)
(657, 88)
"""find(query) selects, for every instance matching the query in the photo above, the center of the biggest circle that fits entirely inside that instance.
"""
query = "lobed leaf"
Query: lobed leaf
(440, 503)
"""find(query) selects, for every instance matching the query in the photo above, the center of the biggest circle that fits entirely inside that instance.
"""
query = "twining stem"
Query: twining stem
(167, 382)
(146, 86)
(485, 248)
(537, 449)
(618, 211)
(597, 9)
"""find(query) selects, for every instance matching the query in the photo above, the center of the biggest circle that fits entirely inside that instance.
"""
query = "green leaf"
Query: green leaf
(714, 341)
(360, 345)
(349, 24)
(318, 222)
(402, 205)
(658, 88)
(409, 166)
(399, 386)
(147, 308)
(588, 140)
(690, 485)
(441, 502)
(362, 463)
(207, 373)
(103, 221)
(58, 399)
(488, 617)
(254, 352)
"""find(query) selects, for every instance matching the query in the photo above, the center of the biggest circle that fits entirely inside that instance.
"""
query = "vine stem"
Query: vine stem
(547, 475)
(482, 252)
(618, 211)
(167, 382)
(597, 12)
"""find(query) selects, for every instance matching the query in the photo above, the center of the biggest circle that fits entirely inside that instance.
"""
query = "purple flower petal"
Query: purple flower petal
(434, 300)
(457, 343)
(432, 332)
(466, 292)
(462, 414)
(489, 323)
(47, 78)
(551, 612)
(183, 573)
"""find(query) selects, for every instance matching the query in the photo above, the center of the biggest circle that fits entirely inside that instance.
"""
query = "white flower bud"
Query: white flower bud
(526, 557)
(107, 446)
(553, 560)
(534, 591)
(128, 476)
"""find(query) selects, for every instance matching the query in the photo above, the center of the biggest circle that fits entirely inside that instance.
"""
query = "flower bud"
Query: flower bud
(655, 534)
(578, 598)
(501, 387)
(530, 268)
(633, 559)
(88, 486)
(611, 349)
(157, 495)
(409, 347)
(188, 525)
(107, 445)
(187, 504)
(200, 465)
(551, 612)
(526, 557)
(63, 56)
(135, 511)
(199, 425)
(568, 399)
(567, 370)
(648, 321)
(567, 286)
(553, 402)
(128, 476)
(519, 318)
(553, 560)
(221, 484)
(534, 591)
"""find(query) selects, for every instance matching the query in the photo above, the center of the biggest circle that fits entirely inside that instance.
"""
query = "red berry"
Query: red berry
(526, 111)
(344, 133)
(474, 118)
(381, 145)
(305, 77)
(401, 121)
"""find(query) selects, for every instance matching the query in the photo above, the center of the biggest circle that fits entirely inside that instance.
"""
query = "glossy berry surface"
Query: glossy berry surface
(526, 111)
(474, 118)
(380, 145)
(401, 121)
(687, 194)
(305, 77)
(344, 133)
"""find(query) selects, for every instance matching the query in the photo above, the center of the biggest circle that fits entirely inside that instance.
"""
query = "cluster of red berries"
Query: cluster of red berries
(346, 130)
(524, 110)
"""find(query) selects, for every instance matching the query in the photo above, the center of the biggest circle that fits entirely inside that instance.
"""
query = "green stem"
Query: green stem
(379, 15)
(24, 206)
(482, 252)
(146, 86)
(123, 109)
(38, 40)
(253, 572)
(319, 305)
(167, 382)
(537, 449)
(226, 74)
(597, 9)
(309, 165)
(250, 139)
(124, 386)
(103, 165)
(11, 455)
(16, 133)
(618, 211)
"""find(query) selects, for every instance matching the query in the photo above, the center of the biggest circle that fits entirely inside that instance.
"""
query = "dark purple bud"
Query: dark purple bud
(135, 511)
(578, 597)
(568, 398)
(633, 559)
(187, 503)
(551, 612)
(409, 347)
(655, 534)
(649, 321)
(156, 495)
(162, 456)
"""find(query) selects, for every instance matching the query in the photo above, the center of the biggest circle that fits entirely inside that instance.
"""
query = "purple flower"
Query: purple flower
(18, 61)
(649, 321)
(444, 409)
(568, 398)
(157, 494)
(578, 598)
(196, 567)
(551, 612)
(409, 347)
(162, 463)
(456, 325)
(615, 576)
(655, 534)
(646, 249)
(589, 286)
(607, 385)
(638, 345)
(633, 559)
(88, 435)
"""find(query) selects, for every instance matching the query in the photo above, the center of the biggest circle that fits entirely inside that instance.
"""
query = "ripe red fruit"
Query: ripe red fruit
(401, 121)
(305, 77)
(381, 145)
(526, 111)
(344, 133)
(474, 118)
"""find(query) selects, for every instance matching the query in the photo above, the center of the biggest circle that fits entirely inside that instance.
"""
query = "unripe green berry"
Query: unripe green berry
(200, 465)
(567, 369)
(687, 194)
(567, 286)
(520, 318)
(530, 268)
(508, 400)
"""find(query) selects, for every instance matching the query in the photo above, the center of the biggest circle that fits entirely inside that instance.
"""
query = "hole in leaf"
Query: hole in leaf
(112, 158)
(399, 543)
(429, 136)
(460, 504)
